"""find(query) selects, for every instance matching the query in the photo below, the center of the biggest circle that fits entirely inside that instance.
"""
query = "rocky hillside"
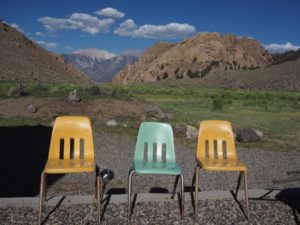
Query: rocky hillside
(281, 77)
(197, 57)
(23, 60)
(99, 65)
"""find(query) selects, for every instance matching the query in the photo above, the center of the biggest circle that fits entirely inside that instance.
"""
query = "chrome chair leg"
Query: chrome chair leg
(196, 189)
(182, 196)
(98, 191)
(43, 185)
(246, 195)
(129, 193)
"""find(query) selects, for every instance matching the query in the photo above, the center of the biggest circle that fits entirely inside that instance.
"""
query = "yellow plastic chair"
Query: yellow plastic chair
(71, 151)
(216, 152)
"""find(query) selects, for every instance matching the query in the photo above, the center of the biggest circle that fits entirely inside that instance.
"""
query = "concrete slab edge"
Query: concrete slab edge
(258, 194)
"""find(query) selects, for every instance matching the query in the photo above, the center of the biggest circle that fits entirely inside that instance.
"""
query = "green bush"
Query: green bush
(217, 104)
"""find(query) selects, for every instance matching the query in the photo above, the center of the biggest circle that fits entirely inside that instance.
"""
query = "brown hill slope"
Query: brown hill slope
(199, 56)
(23, 60)
(284, 76)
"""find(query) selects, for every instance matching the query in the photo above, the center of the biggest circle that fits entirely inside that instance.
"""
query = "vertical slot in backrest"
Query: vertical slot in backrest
(81, 151)
(164, 153)
(154, 151)
(215, 149)
(72, 144)
(206, 149)
(224, 149)
(61, 148)
(145, 158)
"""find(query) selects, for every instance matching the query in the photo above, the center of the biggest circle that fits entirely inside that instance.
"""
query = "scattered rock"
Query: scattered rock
(32, 108)
(191, 132)
(54, 90)
(74, 96)
(143, 117)
(157, 113)
(16, 91)
(94, 90)
(247, 135)
(111, 123)
(259, 133)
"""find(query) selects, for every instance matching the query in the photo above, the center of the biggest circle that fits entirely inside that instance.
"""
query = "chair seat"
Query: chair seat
(157, 168)
(223, 164)
(70, 166)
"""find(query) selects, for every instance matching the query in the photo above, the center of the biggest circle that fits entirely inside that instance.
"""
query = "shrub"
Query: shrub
(193, 74)
(165, 75)
(217, 104)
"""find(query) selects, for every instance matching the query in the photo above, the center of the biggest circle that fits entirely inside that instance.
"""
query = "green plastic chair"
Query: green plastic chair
(155, 154)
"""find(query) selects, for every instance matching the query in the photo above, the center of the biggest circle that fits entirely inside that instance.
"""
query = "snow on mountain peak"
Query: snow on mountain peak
(94, 53)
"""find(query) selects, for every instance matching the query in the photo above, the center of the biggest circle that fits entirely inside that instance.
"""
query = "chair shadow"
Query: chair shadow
(234, 195)
(105, 201)
(23, 155)
(289, 196)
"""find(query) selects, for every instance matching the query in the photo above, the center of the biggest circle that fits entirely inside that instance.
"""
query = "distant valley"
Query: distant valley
(101, 66)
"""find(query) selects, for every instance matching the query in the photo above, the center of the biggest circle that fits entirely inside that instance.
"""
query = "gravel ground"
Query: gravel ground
(115, 152)
(210, 212)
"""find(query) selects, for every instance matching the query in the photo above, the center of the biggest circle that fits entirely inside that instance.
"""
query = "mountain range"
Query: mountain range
(101, 66)
(216, 60)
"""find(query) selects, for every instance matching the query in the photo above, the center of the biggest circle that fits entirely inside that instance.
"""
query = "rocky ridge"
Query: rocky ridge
(197, 57)
(24, 60)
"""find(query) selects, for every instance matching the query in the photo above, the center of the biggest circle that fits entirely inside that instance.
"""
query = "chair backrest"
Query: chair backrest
(155, 143)
(215, 140)
(72, 139)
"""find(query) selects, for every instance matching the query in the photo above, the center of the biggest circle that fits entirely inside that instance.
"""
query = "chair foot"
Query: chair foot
(129, 194)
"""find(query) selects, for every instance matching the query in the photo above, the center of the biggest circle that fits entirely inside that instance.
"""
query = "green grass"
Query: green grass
(276, 113)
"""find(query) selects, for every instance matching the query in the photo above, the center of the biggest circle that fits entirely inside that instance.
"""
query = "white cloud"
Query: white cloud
(80, 21)
(47, 44)
(280, 48)
(168, 31)
(39, 34)
(69, 47)
(17, 27)
(110, 12)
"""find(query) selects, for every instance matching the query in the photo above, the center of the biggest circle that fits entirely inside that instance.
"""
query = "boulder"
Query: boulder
(247, 135)
(191, 132)
(157, 113)
(94, 90)
(16, 91)
(111, 123)
(259, 132)
(74, 96)
(32, 108)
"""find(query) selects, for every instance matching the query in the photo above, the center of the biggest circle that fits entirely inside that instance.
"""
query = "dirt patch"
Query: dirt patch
(99, 110)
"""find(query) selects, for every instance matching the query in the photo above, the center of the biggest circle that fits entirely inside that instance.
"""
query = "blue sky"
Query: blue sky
(117, 25)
